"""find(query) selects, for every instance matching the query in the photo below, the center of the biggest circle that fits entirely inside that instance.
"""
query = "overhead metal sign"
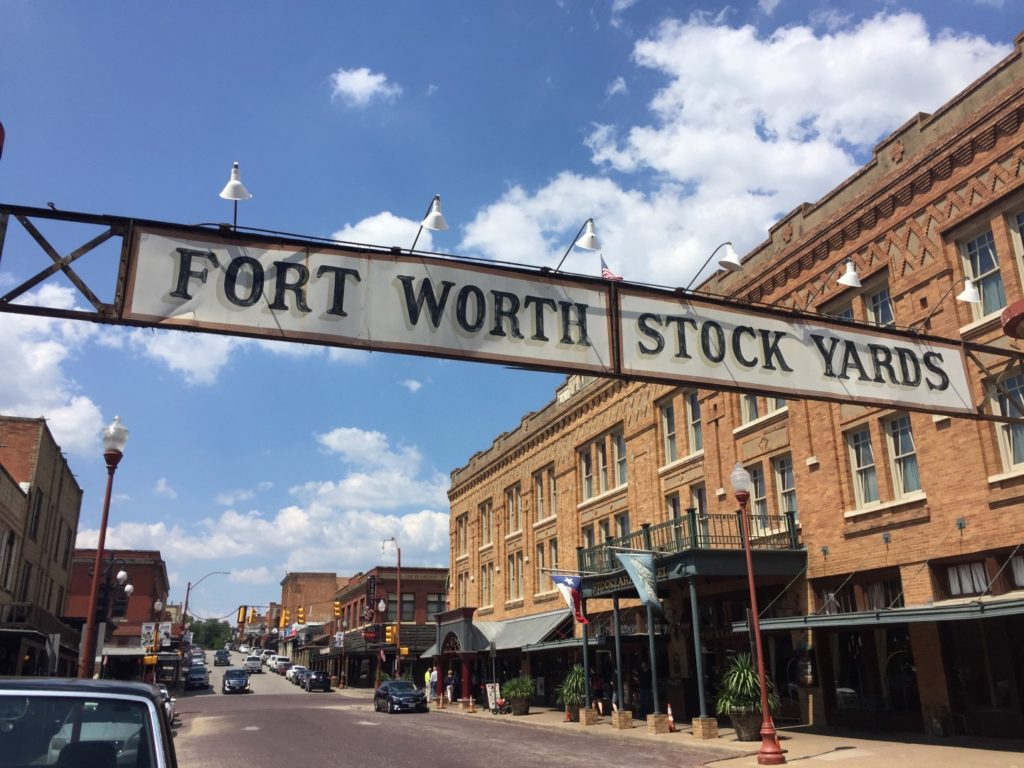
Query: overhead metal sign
(303, 290)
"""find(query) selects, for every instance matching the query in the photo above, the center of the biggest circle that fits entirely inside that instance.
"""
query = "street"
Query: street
(280, 724)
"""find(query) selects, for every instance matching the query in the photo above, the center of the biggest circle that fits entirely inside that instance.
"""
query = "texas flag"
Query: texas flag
(569, 586)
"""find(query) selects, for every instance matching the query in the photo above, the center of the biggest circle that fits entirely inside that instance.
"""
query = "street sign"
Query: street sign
(370, 634)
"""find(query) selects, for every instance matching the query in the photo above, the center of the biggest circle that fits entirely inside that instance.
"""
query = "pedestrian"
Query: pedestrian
(432, 682)
(426, 681)
(449, 686)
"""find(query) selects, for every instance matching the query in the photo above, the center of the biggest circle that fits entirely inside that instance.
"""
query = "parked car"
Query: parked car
(243, 648)
(295, 669)
(300, 678)
(253, 664)
(235, 681)
(55, 721)
(198, 676)
(399, 696)
(282, 667)
(169, 703)
(316, 680)
(276, 662)
(222, 658)
(265, 655)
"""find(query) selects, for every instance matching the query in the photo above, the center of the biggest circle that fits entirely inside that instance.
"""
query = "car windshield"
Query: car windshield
(236, 673)
(197, 672)
(402, 685)
(88, 729)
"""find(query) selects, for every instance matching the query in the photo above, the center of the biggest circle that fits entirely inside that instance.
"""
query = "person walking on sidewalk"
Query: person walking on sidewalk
(432, 683)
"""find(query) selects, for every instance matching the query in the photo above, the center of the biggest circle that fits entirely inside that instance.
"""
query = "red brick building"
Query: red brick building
(889, 543)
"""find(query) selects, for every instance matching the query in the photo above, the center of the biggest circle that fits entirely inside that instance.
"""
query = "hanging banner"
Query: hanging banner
(640, 567)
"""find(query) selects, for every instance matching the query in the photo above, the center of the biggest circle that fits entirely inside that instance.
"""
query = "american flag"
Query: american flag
(569, 587)
(606, 273)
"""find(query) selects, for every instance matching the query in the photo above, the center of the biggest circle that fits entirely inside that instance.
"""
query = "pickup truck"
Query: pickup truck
(253, 664)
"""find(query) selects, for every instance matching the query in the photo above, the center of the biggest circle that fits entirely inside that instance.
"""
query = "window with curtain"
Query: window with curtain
(982, 264)
(758, 496)
(486, 520)
(1017, 564)
(967, 579)
(693, 422)
(879, 305)
(906, 478)
(748, 408)
(668, 427)
(863, 460)
(1011, 436)
(619, 447)
(786, 484)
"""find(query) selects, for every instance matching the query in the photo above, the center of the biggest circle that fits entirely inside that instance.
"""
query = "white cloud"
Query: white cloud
(164, 489)
(618, 8)
(616, 87)
(387, 230)
(35, 351)
(370, 449)
(357, 87)
(723, 154)
(767, 7)
(198, 357)
(412, 385)
(260, 575)
(231, 498)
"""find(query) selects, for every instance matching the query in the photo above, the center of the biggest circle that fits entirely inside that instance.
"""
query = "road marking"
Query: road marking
(251, 728)
(366, 722)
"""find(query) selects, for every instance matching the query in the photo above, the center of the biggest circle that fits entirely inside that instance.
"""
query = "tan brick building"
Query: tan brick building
(889, 543)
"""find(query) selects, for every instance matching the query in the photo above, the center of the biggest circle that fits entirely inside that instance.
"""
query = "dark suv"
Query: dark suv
(222, 658)
(316, 680)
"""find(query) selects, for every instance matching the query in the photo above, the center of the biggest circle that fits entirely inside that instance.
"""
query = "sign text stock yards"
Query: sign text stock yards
(417, 304)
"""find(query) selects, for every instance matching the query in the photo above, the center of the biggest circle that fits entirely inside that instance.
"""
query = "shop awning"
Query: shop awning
(511, 634)
(948, 610)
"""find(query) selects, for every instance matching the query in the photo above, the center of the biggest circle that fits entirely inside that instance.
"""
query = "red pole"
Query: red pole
(770, 752)
(398, 619)
(89, 632)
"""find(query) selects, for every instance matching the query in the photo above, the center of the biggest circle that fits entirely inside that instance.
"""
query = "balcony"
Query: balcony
(695, 533)
(29, 617)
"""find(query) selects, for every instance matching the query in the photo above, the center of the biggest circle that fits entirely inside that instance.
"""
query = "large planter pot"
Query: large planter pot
(747, 725)
(574, 713)
(520, 706)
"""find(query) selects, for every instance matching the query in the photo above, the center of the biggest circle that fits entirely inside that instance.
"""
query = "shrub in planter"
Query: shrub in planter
(519, 691)
(572, 693)
(739, 697)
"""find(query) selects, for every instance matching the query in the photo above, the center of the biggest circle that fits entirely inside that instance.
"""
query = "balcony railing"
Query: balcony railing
(694, 531)
(32, 617)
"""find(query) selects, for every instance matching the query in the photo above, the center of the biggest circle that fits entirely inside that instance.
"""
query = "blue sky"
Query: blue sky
(676, 126)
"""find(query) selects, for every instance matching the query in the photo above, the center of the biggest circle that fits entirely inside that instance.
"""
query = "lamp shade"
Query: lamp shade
(435, 219)
(115, 437)
(740, 479)
(730, 262)
(129, 589)
(850, 277)
(235, 189)
(588, 240)
(970, 293)
(382, 605)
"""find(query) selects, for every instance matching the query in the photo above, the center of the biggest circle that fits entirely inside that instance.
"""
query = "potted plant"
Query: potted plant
(739, 697)
(572, 693)
(519, 691)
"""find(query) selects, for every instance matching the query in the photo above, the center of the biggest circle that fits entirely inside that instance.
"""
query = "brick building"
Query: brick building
(40, 502)
(889, 544)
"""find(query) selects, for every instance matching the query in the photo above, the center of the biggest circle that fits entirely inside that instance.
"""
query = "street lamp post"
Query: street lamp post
(382, 607)
(114, 439)
(188, 591)
(398, 618)
(770, 752)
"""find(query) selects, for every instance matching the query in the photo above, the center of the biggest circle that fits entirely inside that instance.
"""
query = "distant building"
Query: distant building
(40, 502)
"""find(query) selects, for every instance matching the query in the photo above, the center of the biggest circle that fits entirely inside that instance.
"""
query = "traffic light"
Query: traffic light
(282, 619)
(302, 615)
(337, 609)
(241, 614)
(389, 634)
(252, 615)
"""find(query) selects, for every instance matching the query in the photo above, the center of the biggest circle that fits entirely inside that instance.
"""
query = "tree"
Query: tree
(210, 633)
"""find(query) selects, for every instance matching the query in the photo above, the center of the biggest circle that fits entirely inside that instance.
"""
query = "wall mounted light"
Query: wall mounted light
(235, 190)
(849, 279)
(730, 262)
(969, 295)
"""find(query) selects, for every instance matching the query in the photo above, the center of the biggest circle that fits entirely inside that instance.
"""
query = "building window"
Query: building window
(462, 534)
(35, 513)
(26, 582)
(486, 521)
(668, 428)
(487, 584)
(540, 577)
(436, 603)
(839, 600)
(699, 498)
(605, 528)
(544, 492)
(865, 482)
(1011, 436)
(982, 266)
(906, 478)
(693, 422)
(602, 466)
(619, 447)
(7, 561)
(882, 595)
(588, 536)
(514, 576)
(408, 606)
(462, 589)
(967, 579)
(1017, 563)
(622, 524)
(786, 485)
(553, 554)
(587, 473)
(514, 509)
(758, 495)
(776, 404)
(748, 408)
(879, 305)
(673, 507)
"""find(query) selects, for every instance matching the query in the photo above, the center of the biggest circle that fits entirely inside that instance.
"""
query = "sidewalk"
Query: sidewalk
(803, 745)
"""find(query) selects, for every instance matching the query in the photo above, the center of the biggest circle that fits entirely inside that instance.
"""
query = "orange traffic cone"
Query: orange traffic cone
(671, 720)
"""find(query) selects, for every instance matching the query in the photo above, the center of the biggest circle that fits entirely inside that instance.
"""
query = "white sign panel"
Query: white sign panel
(373, 300)
(684, 339)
